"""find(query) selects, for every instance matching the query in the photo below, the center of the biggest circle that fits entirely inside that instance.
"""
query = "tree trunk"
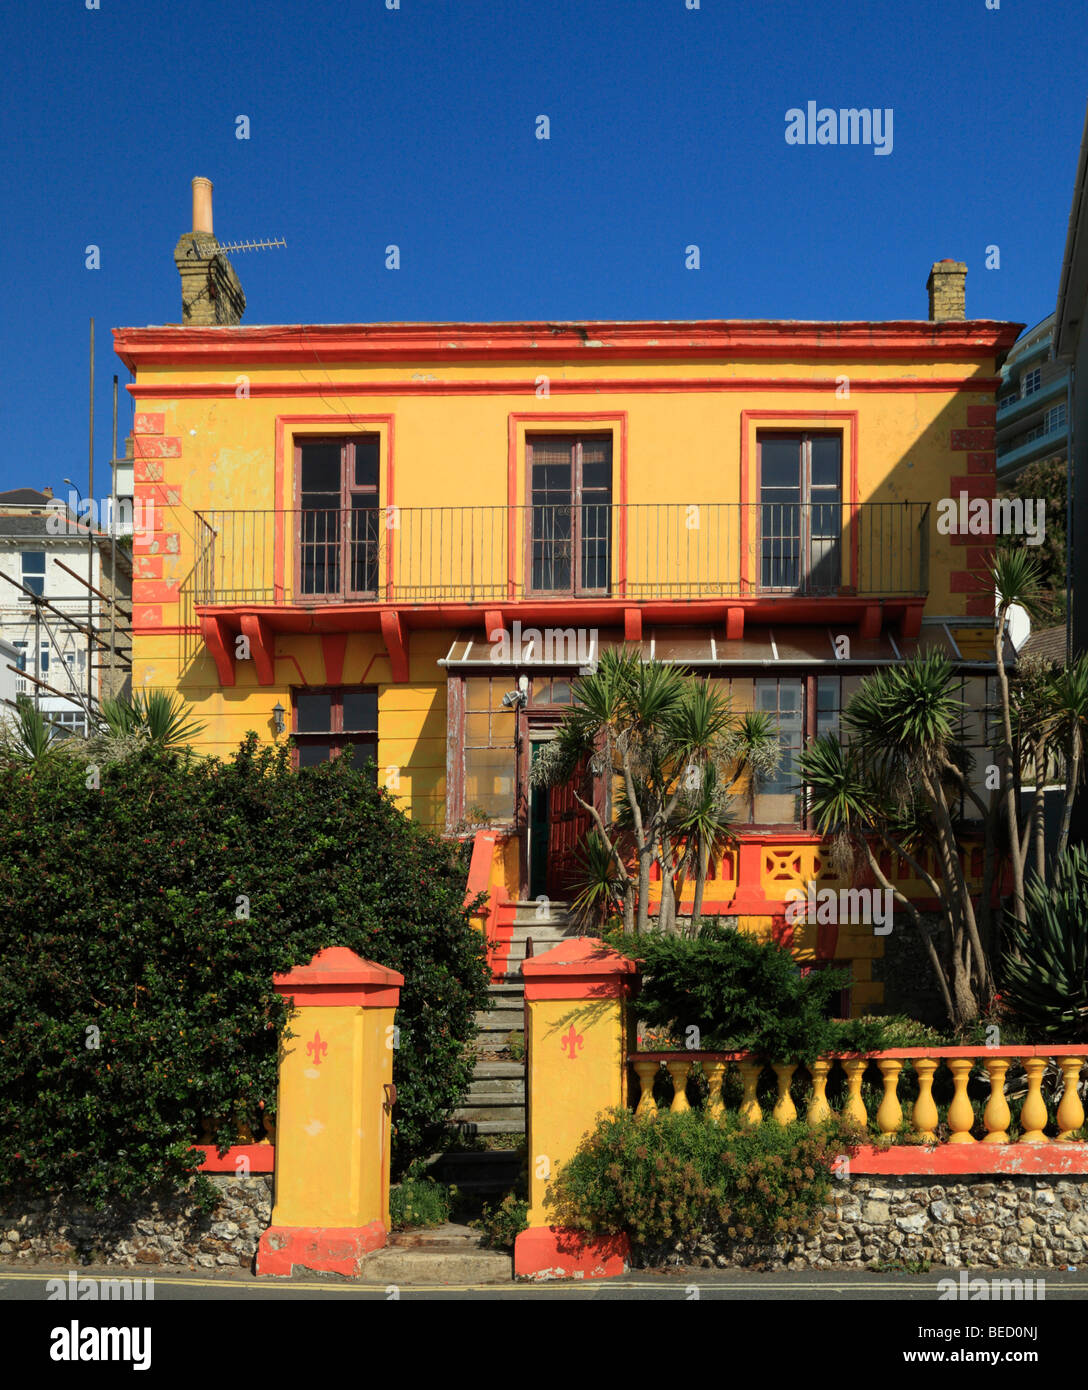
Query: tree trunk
(1072, 775)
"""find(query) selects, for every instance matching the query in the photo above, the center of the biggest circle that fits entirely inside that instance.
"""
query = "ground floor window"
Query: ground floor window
(330, 720)
(490, 748)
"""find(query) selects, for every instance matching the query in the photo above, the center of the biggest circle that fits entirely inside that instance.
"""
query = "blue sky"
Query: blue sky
(416, 126)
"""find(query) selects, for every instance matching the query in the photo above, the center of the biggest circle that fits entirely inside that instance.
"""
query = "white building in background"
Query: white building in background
(49, 648)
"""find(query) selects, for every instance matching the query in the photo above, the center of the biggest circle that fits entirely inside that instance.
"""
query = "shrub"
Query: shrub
(419, 1202)
(502, 1225)
(742, 994)
(123, 923)
(680, 1175)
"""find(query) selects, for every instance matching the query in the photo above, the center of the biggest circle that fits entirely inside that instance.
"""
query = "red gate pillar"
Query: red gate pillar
(576, 1042)
(333, 1116)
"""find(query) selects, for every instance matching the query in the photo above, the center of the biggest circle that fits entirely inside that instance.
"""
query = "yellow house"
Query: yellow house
(409, 537)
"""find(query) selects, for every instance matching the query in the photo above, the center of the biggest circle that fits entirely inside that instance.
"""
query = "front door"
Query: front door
(557, 826)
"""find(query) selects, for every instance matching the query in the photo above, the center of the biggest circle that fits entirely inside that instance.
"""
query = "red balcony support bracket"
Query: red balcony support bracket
(493, 624)
(910, 626)
(396, 643)
(218, 640)
(632, 624)
(334, 647)
(262, 646)
(734, 624)
(870, 621)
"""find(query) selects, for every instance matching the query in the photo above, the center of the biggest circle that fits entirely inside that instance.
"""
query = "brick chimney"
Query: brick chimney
(947, 286)
(47, 492)
(210, 290)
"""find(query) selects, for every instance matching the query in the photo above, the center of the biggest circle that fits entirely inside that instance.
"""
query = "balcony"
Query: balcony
(595, 553)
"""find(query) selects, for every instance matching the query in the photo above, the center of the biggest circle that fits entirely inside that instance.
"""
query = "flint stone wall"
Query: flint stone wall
(998, 1223)
(170, 1231)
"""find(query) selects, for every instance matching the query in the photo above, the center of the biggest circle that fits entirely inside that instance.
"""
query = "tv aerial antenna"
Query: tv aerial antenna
(207, 249)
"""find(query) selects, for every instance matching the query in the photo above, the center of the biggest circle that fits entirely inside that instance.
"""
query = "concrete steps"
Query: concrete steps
(495, 1103)
(446, 1254)
(482, 1172)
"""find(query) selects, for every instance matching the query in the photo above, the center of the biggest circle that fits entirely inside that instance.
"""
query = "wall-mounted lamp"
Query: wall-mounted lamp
(277, 718)
(513, 698)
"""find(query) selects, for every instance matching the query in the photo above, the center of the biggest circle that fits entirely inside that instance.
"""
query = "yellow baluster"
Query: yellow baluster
(206, 1135)
(818, 1108)
(996, 1116)
(1070, 1111)
(715, 1075)
(679, 1073)
(924, 1115)
(647, 1106)
(890, 1115)
(750, 1112)
(961, 1115)
(1033, 1116)
(785, 1112)
(269, 1123)
(854, 1109)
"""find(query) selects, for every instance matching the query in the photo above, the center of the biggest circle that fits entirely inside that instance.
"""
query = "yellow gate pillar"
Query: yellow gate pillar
(333, 1116)
(576, 1053)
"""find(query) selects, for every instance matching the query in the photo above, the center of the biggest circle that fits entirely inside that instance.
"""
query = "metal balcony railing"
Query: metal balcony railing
(637, 551)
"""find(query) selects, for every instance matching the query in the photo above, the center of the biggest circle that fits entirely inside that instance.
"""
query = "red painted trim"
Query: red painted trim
(550, 1252)
(396, 640)
(578, 968)
(216, 636)
(731, 339)
(262, 645)
(632, 625)
(333, 649)
(336, 975)
(984, 385)
(260, 1158)
(605, 611)
(962, 1159)
(323, 1249)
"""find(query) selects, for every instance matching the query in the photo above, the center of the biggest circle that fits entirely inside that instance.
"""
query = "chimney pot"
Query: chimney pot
(47, 492)
(202, 206)
(947, 286)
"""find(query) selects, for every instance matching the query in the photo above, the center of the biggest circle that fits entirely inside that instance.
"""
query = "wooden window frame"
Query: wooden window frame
(337, 737)
(348, 491)
(805, 436)
(577, 438)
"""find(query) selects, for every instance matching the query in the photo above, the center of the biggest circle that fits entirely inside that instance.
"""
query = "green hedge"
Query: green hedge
(742, 994)
(119, 912)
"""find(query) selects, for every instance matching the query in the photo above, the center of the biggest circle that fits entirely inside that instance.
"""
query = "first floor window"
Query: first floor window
(328, 721)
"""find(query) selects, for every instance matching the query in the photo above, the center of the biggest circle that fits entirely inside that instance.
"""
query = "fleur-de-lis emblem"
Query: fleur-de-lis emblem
(317, 1048)
(573, 1041)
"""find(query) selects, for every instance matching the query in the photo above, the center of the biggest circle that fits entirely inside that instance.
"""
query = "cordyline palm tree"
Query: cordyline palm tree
(654, 729)
(157, 716)
(897, 781)
(754, 750)
(1016, 577)
(706, 826)
(1066, 727)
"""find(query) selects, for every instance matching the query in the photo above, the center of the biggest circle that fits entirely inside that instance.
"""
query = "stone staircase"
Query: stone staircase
(496, 1099)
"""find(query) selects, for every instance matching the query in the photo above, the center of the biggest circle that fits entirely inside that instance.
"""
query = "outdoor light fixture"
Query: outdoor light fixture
(277, 717)
(513, 698)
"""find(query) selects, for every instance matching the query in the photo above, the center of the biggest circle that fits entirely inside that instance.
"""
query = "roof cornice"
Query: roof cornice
(743, 339)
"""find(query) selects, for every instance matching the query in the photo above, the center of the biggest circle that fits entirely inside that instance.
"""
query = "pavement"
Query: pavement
(685, 1284)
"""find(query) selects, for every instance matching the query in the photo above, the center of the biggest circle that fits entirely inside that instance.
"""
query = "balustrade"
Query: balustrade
(922, 1119)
